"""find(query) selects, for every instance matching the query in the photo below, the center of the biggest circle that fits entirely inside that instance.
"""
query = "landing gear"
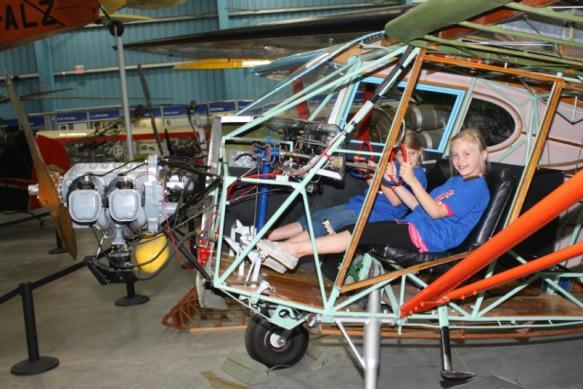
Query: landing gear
(448, 373)
(274, 346)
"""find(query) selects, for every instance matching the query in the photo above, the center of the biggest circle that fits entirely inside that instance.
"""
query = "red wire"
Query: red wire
(171, 236)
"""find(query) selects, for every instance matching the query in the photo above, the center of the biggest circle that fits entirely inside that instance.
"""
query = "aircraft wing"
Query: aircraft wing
(24, 21)
(153, 4)
(537, 35)
(530, 34)
(114, 5)
(273, 40)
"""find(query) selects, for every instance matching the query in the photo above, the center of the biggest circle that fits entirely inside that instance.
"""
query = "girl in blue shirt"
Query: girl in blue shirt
(387, 205)
(438, 221)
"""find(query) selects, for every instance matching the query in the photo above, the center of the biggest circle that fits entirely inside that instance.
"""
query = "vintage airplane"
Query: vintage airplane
(436, 69)
(473, 74)
(27, 21)
(273, 40)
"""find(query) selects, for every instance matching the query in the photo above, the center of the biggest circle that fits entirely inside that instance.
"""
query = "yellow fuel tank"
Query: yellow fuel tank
(152, 252)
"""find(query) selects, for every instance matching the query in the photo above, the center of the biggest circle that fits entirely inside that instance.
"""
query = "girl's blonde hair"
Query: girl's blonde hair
(474, 136)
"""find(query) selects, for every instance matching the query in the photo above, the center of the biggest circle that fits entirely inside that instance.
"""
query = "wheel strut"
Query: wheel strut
(372, 341)
(448, 373)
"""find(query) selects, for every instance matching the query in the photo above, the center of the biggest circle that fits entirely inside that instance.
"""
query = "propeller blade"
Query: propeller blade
(65, 229)
(48, 195)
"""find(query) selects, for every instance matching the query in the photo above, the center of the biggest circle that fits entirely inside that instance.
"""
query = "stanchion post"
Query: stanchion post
(58, 249)
(35, 364)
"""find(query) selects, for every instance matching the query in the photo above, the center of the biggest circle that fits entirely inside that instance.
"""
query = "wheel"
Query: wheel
(274, 346)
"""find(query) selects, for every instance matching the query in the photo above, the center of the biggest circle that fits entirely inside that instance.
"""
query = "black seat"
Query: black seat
(501, 184)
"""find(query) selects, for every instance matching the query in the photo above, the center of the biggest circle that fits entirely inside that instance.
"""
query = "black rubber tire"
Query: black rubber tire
(259, 339)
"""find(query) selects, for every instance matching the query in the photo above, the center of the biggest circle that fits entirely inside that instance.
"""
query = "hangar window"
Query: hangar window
(494, 122)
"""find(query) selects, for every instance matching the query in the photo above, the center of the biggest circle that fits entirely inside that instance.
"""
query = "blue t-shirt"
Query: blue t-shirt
(382, 209)
(466, 201)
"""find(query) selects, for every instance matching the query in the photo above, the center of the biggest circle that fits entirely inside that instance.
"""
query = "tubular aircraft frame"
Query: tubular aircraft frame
(370, 59)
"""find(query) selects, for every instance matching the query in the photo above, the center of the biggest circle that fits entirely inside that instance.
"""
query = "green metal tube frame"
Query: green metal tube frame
(331, 308)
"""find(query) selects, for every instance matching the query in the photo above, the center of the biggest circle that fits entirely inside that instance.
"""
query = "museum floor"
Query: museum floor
(100, 345)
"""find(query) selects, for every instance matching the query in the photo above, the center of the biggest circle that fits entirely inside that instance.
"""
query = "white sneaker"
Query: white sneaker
(274, 265)
(272, 249)
(266, 260)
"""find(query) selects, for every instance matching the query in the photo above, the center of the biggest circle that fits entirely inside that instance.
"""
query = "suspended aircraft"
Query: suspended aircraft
(27, 21)
(436, 69)
(273, 40)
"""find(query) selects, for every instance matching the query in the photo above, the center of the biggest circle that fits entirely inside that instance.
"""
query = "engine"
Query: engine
(126, 202)
(118, 198)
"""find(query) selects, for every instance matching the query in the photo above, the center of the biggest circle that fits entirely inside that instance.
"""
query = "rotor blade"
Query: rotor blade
(46, 92)
(88, 98)
(38, 95)
(48, 195)
(149, 106)
(144, 86)
(4, 99)
(274, 40)
(168, 143)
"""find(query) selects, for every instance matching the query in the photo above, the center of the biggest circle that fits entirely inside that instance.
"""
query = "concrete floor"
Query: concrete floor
(100, 345)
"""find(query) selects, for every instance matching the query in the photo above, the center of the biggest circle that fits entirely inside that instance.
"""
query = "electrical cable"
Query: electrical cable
(189, 168)
(117, 168)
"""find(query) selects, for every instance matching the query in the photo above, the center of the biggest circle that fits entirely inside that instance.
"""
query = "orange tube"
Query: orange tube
(514, 273)
(534, 219)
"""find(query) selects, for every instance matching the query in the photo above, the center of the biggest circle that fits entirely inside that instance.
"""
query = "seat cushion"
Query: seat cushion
(403, 257)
